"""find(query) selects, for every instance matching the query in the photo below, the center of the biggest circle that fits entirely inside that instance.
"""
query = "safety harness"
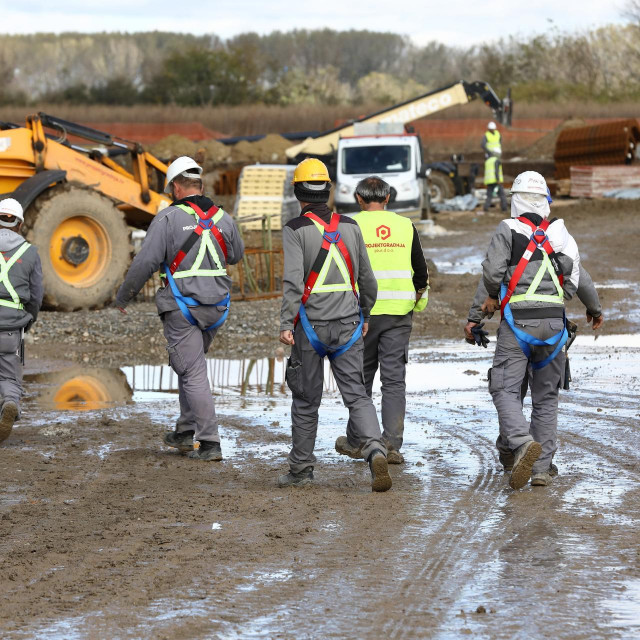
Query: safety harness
(5, 267)
(539, 240)
(333, 248)
(205, 229)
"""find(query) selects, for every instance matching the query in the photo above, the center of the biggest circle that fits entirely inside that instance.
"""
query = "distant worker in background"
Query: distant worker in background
(532, 265)
(398, 263)
(192, 242)
(328, 292)
(21, 294)
(493, 178)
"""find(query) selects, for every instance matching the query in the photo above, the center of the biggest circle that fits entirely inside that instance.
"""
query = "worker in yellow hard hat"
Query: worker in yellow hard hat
(328, 292)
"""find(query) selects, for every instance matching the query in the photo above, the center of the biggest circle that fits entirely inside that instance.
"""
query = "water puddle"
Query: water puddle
(455, 260)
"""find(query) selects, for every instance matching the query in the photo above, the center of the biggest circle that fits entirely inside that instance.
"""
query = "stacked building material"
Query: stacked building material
(610, 143)
(593, 182)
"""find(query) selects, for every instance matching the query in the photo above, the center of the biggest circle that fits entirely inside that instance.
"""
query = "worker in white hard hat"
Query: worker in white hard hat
(493, 176)
(191, 242)
(21, 294)
(532, 266)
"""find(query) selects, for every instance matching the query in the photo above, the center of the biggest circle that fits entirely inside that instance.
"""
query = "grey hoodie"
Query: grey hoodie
(25, 277)
(167, 234)
(301, 242)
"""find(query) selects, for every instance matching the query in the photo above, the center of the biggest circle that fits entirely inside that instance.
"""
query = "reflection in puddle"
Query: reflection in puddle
(624, 611)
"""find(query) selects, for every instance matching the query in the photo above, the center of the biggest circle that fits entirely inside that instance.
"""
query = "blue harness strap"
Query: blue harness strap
(184, 302)
(526, 341)
(320, 347)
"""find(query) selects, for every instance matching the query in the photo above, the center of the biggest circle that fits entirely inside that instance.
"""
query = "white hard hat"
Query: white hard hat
(530, 182)
(491, 126)
(11, 207)
(182, 166)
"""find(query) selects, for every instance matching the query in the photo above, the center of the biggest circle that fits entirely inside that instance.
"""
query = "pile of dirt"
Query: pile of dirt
(545, 147)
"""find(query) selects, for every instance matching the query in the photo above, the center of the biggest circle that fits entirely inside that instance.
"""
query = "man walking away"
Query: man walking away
(325, 314)
(21, 295)
(192, 241)
(532, 265)
(493, 178)
(398, 263)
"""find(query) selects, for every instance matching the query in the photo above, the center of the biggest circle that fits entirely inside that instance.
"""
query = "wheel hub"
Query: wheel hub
(75, 250)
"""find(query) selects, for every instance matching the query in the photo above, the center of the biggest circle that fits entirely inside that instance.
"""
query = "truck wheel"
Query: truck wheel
(84, 246)
(441, 187)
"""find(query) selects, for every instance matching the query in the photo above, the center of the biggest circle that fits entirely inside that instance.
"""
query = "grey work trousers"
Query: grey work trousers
(10, 367)
(187, 345)
(387, 344)
(305, 377)
(490, 190)
(506, 376)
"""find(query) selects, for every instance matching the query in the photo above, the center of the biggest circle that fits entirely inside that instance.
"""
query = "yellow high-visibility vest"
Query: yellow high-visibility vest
(490, 176)
(388, 238)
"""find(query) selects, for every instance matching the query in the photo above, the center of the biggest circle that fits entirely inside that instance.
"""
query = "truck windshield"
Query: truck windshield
(376, 159)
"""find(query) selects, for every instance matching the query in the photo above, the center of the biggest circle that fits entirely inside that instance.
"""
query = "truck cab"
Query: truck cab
(386, 151)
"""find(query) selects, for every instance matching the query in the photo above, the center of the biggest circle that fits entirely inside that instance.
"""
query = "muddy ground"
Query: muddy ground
(104, 533)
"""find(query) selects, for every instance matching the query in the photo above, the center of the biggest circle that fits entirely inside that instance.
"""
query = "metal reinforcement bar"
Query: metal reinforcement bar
(611, 143)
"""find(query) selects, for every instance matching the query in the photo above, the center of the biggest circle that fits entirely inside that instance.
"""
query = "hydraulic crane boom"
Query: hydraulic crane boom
(459, 93)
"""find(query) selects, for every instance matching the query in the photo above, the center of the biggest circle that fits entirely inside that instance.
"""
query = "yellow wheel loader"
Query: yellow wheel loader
(79, 203)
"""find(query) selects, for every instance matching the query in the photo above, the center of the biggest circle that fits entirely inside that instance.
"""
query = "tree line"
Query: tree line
(313, 67)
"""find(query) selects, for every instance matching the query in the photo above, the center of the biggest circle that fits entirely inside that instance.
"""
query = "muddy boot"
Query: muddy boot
(7, 418)
(299, 479)
(553, 470)
(525, 457)
(540, 479)
(343, 447)
(182, 440)
(208, 450)
(506, 460)
(394, 457)
(380, 478)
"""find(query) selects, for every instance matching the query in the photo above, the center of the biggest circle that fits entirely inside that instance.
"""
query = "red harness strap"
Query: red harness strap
(538, 241)
(330, 236)
(204, 223)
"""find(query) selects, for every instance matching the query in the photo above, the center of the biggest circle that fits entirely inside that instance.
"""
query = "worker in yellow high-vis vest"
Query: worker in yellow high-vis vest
(400, 269)
(493, 178)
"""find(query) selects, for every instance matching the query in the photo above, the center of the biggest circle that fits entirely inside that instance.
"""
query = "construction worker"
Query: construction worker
(324, 314)
(532, 265)
(398, 263)
(493, 177)
(21, 295)
(191, 241)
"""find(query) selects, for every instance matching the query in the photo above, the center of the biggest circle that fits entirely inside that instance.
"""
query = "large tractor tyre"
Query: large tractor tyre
(84, 245)
(441, 187)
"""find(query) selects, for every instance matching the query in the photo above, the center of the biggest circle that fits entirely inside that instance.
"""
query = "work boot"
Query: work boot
(394, 457)
(299, 479)
(343, 447)
(380, 478)
(540, 479)
(181, 440)
(506, 460)
(7, 418)
(208, 450)
(525, 457)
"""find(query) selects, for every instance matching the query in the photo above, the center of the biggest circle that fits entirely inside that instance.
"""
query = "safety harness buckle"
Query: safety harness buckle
(332, 237)
(539, 233)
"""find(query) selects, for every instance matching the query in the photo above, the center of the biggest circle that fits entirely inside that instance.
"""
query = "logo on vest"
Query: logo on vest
(383, 232)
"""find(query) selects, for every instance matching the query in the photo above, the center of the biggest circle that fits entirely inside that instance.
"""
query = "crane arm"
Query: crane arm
(458, 93)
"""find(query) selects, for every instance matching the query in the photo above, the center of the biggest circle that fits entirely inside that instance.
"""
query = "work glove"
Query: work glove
(480, 336)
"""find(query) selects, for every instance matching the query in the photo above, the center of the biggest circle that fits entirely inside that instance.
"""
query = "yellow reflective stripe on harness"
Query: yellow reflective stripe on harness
(206, 244)
(5, 267)
(332, 255)
(545, 267)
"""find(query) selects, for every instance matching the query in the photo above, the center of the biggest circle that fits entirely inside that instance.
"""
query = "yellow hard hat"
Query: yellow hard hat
(311, 170)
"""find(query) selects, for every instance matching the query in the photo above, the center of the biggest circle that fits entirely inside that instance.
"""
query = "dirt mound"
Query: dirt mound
(174, 145)
(544, 147)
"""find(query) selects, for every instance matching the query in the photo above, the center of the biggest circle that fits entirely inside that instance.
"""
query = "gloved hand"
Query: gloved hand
(480, 335)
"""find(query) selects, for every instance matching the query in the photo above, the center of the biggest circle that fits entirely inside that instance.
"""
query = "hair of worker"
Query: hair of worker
(373, 189)
(188, 182)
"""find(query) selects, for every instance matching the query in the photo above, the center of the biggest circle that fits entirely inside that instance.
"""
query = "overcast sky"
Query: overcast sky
(453, 22)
